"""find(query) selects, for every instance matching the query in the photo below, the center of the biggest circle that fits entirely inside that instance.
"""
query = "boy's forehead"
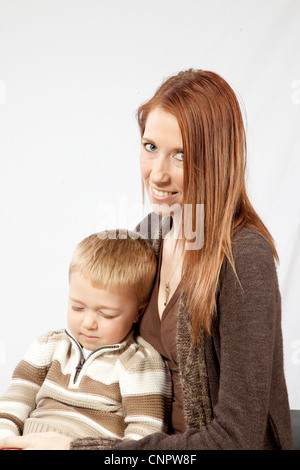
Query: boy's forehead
(82, 289)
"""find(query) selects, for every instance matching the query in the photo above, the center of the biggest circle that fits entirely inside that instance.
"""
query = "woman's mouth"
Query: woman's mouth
(160, 194)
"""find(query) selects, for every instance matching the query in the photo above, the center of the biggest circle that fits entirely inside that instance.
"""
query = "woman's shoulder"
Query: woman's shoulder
(252, 255)
(249, 242)
(154, 226)
(148, 225)
(249, 288)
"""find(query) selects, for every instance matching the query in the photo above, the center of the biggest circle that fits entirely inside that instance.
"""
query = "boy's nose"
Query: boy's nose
(90, 321)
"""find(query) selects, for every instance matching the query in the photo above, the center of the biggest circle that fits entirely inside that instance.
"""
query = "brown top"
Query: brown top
(161, 334)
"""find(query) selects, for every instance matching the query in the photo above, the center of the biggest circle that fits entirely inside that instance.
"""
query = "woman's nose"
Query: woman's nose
(160, 170)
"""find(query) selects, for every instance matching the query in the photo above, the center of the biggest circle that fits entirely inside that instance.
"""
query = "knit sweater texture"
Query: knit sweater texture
(118, 391)
(234, 389)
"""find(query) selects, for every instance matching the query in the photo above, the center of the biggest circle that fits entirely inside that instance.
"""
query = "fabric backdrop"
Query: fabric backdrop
(72, 73)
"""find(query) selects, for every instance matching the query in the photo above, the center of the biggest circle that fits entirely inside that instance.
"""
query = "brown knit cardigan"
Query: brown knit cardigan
(233, 384)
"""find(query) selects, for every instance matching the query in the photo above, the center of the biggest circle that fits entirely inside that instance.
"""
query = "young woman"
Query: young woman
(215, 311)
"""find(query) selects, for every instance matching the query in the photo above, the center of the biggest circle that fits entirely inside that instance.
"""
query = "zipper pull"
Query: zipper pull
(78, 369)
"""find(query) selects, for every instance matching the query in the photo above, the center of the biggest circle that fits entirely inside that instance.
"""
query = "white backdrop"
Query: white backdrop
(72, 73)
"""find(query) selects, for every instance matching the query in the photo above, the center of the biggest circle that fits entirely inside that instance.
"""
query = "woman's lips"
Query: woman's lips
(160, 194)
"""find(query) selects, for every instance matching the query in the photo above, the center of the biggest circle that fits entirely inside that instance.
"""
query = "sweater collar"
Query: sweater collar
(101, 349)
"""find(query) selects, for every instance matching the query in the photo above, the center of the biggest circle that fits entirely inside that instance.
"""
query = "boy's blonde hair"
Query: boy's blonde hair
(117, 259)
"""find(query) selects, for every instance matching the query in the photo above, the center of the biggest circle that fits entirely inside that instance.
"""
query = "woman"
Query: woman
(215, 309)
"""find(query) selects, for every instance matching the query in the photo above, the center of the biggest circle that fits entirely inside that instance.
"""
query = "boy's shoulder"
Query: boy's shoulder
(146, 347)
(140, 354)
(42, 349)
(51, 336)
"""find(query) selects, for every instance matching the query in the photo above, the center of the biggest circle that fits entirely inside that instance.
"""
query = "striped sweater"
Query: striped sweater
(119, 391)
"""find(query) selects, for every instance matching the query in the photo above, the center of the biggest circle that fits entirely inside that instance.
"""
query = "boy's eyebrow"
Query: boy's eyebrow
(77, 301)
(104, 307)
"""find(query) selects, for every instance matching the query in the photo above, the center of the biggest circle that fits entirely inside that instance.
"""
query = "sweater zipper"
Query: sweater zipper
(82, 359)
(79, 367)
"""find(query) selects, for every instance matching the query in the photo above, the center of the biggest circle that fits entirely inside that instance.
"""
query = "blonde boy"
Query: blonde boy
(98, 377)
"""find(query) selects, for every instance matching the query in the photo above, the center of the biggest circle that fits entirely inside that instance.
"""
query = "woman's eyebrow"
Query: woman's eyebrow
(148, 139)
(152, 141)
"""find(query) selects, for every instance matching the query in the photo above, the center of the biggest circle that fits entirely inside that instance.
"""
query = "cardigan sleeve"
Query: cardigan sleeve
(19, 400)
(249, 318)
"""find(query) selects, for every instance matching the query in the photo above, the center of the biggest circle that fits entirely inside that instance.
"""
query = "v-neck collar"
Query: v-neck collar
(175, 295)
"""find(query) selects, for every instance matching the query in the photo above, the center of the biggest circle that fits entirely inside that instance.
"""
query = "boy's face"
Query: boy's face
(98, 317)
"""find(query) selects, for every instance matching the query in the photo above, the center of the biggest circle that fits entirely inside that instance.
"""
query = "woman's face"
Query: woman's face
(161, 161)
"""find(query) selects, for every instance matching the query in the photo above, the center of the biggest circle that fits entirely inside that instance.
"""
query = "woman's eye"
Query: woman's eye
(150, 147)
(179, 156)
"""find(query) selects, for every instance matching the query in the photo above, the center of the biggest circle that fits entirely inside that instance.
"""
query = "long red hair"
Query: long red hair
(214, 147)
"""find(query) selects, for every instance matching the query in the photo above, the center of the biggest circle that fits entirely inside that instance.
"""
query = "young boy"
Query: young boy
(97, 378)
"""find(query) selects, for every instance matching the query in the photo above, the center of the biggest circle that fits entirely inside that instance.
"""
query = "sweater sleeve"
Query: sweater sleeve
(19, 400)
(249, 327)
(146, 390)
